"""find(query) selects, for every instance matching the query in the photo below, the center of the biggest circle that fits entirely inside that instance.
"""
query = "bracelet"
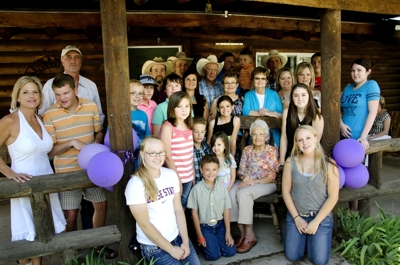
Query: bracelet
(296, 216)
(201, 240)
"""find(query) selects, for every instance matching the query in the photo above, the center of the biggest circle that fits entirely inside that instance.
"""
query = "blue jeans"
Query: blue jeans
(215, 242)
(186, 187)
(318, 245)
(161, 257)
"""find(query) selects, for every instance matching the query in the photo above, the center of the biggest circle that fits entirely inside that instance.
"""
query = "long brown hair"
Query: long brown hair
(311, 111)
(173, 103)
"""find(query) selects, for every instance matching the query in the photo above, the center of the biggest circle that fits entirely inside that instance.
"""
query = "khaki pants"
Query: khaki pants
(243, 200)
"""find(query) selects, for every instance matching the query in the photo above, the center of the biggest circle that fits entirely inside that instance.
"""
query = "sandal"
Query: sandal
(106, 252)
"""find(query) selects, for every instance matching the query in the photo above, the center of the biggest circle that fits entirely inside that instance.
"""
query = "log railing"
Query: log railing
(46, 242)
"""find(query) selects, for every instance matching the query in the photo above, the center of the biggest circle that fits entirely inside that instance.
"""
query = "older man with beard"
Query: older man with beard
(229, 61)
(273, 61)
(180, 63)
(158, 69)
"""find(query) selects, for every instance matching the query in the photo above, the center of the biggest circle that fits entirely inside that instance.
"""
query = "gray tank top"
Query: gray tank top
(308, 194)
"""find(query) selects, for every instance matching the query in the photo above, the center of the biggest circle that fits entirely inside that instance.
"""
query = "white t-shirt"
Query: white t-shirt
(161, 212)
(261, 100)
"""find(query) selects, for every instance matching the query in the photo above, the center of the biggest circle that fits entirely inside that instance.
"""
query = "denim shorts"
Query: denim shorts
(152, 253)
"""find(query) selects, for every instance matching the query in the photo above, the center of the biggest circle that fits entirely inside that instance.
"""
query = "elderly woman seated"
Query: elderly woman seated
(257, 171)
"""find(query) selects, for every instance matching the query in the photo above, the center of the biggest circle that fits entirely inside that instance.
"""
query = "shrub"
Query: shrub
(372, 240)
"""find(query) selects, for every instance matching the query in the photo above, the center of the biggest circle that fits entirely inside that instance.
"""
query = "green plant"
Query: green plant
(372, 240)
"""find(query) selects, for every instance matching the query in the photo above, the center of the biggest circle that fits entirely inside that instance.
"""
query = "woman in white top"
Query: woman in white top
(154, 199)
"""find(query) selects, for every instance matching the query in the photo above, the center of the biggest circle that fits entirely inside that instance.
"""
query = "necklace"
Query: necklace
(192, 99)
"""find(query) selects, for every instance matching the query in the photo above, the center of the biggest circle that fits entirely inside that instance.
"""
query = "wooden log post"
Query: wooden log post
(331, 73)
(116, 69)
(374, 168)
(42, 217)
(77, 240)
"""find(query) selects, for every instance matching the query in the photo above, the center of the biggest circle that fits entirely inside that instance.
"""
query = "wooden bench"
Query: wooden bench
(272, 199)
(394, 130)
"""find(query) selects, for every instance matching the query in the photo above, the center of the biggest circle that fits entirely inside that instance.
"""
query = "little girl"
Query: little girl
(225, 122)
(176, 133)
(227, 164)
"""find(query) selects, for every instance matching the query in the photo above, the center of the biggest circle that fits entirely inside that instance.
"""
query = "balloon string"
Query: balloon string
(128, 155)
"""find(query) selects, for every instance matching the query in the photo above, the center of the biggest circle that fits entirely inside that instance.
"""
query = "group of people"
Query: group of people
(189, 157)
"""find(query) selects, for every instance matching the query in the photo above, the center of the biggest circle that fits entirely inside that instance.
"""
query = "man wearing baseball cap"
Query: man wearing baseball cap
(71, 60)
(147, 105)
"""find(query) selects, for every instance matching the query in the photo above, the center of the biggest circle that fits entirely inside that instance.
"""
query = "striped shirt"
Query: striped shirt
(64, 126)
(182, 152)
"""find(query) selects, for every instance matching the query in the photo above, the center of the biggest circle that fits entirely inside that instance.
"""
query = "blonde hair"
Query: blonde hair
(320, 159)
(300, 68)
(136, 83)
(150, 187)
(17, 88)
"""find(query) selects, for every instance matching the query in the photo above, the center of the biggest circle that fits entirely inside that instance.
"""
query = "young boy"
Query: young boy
(147, 105)
(139, 118)
(210, 203)
(201, 148)
(246, 61)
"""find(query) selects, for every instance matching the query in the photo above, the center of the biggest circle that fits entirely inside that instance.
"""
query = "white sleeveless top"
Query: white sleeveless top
(29, 155)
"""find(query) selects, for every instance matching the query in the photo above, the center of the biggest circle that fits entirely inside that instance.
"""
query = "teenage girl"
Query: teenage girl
(225, 122)
(310, 189)
(153, 197)
(227, 164)
(302, 111)
(176, 133)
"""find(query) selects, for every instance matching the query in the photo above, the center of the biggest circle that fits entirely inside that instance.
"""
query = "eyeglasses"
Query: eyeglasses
(260, 78)
(154, 154)
(261, 135)
(230, 84)
(136, 94)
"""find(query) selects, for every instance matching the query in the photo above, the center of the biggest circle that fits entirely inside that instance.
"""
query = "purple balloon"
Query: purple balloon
(134, 139)
(356, 177)
(105, 169)
(342, 177)
(110, 189)
(348, 153)
(89, 151)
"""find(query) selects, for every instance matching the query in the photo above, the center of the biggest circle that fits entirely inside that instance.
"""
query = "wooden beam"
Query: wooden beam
(391, 7)
(115, 49)
(6, 33)
(331, 70)
(77, 240)
(52, 32)
(140, 2)
(80, 20)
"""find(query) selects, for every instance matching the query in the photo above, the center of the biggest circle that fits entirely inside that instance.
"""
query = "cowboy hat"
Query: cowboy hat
(180, 56)
(273, 53)
(210, 59)
(157, 60)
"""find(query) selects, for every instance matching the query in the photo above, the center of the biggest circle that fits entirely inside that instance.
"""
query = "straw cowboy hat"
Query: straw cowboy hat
(273, 53)
(180, 56)
(157, 60)
(210, 59)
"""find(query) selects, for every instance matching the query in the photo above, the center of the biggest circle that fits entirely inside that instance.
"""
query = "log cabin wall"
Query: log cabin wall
(19, 52)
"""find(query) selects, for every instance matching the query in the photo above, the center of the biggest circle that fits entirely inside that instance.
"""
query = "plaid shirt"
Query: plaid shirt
(210, 92)
(198, 155)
